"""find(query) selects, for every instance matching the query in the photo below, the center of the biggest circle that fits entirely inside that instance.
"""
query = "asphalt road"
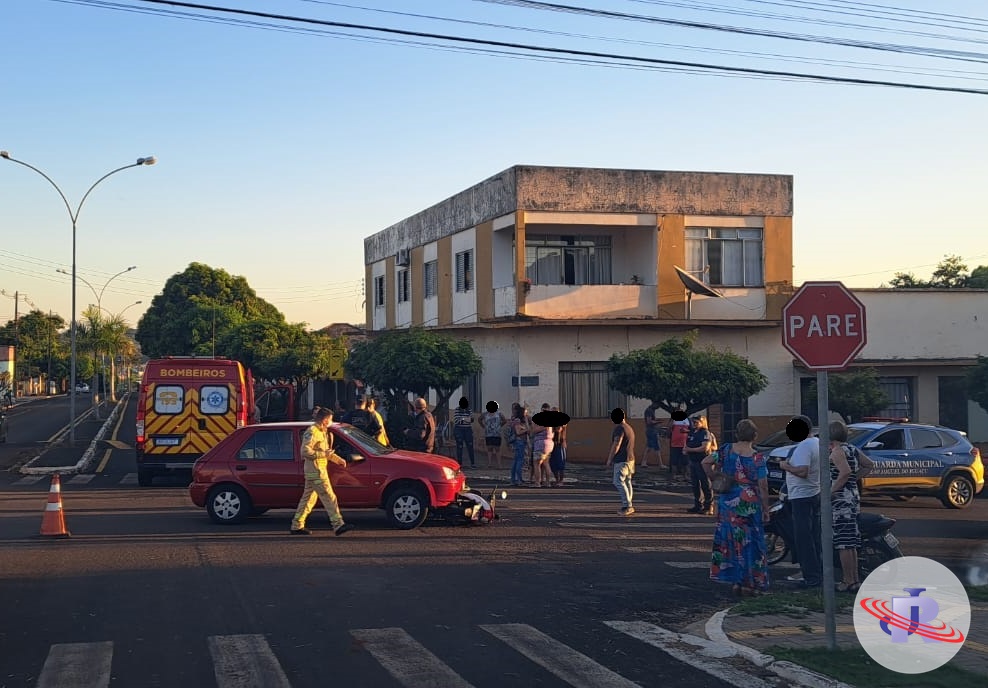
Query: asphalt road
(148, 592)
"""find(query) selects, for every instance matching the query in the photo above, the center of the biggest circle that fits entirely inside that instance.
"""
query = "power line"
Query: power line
(573, 53)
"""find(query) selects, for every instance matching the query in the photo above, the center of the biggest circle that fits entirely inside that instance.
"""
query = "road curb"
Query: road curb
(87, 456)
(794, 673)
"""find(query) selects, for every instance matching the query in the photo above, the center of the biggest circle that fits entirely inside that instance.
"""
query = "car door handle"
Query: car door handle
(241, 467)
(948, 453)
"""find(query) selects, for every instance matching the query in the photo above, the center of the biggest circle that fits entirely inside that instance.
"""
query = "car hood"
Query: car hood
(434, 459)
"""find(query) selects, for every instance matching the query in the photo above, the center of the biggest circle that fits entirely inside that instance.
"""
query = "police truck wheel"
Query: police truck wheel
(407, 507)
(145, 477)
(958, 492)
(228, 505)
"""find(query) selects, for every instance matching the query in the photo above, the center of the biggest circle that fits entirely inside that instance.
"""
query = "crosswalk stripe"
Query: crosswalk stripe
(411, 664)
(561, 660)
(30, 479)
(245, 661)
(80, 665)
(706, 660)
(81, 479)
(129, 479)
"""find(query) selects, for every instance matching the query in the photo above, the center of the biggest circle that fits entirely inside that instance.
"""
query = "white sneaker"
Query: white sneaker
(798, 576)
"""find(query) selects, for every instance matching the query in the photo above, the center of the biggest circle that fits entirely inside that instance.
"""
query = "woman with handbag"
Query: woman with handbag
(739, 478)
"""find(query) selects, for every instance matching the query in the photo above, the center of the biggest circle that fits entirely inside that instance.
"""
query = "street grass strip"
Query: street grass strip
(855, 667)
(977, 593)
(796, 603)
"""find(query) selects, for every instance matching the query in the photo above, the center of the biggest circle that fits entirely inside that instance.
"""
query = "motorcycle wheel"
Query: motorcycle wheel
(871, 558)
(775, 548)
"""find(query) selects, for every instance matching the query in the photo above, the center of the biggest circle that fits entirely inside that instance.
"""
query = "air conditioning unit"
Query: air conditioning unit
(402, 258)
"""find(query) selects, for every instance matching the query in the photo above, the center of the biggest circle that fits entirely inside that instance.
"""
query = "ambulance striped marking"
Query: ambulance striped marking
(186, 424)
(80, 665)
(406, 660)
(559, 659)
(245, 661)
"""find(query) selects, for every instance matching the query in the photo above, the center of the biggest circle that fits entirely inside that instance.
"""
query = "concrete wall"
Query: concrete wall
(594, 190)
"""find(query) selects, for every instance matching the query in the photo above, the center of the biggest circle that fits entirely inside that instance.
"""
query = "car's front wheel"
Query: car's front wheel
(228, 505)
(407, 507)
(958, 492)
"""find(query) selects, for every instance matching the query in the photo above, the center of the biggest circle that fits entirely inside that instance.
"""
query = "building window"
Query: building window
(731, 413)
(899, 390)
(403, 290)
(430, 282)
(464, 271)
(725, 257)
(568, 259)
(584, 391)
(379, 290)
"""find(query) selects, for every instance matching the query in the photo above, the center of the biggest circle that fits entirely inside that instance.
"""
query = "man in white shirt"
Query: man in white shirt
(803, 485)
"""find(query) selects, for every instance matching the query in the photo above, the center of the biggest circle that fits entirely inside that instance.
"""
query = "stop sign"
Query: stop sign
(823, 325)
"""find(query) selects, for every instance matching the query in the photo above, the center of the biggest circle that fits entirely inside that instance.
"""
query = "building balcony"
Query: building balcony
(565, 301)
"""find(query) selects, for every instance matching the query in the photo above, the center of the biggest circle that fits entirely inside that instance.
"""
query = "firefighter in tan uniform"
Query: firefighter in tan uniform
(317, 449)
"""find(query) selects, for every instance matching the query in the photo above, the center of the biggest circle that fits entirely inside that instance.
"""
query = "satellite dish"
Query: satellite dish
(694, 286)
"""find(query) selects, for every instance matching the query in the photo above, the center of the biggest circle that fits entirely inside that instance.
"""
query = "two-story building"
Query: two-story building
(548, 271)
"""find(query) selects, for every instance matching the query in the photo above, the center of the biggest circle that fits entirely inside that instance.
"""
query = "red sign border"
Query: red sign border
(864, 329)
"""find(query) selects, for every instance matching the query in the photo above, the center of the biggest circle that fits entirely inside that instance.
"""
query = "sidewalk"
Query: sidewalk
(751, 636)
(65, 457)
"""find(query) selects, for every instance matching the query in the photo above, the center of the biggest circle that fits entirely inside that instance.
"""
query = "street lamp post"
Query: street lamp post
(99, 306)
(74, 216)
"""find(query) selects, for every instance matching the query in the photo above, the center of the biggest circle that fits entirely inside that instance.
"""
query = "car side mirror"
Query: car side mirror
(874, 445)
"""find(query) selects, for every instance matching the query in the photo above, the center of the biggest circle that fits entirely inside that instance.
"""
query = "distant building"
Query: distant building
(548, 271)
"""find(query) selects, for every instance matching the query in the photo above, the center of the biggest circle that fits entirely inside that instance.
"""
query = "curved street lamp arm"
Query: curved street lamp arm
(50, 181)
(96, 183)
(99, 299)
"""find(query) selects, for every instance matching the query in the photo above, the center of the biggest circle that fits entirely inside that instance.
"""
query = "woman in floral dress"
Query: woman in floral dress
(739, 552)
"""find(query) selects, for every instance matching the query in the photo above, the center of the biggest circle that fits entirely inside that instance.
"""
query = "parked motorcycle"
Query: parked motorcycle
(878, 544)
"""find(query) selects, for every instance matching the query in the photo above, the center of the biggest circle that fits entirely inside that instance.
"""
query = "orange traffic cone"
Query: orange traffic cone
(53, 523)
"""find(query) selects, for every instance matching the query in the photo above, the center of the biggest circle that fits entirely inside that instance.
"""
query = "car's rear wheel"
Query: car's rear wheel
(228, 505)
(958, 492)
(407, 507)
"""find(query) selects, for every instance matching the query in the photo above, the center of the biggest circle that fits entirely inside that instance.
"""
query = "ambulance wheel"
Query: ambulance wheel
(228, 505)
(145, 476)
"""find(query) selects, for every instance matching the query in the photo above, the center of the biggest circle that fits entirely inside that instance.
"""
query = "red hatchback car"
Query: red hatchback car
(259, 467)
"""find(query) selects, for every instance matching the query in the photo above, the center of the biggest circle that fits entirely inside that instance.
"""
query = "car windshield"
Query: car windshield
(366, 442)
(776, 439)
(855, 435)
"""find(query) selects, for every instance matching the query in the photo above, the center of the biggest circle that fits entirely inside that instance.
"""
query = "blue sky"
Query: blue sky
(279, 151)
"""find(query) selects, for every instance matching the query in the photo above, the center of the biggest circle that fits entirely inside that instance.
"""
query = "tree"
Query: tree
(978, 279)
(951, 273)
(854, 394)
(38, 343)
(977, 382)
(673, 373)
(195, 310)
(276, 350)
(413, 361)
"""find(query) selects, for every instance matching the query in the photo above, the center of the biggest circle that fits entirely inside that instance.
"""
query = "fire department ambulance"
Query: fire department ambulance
(185, 406)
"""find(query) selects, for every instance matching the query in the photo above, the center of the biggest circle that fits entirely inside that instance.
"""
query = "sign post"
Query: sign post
(823, 326)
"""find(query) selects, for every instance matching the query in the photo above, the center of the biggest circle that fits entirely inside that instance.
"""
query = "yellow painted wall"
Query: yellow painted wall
(672, 252)
(390, 297)
(778, 265)
(484, 270)
(417, 284)
(446, 279)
